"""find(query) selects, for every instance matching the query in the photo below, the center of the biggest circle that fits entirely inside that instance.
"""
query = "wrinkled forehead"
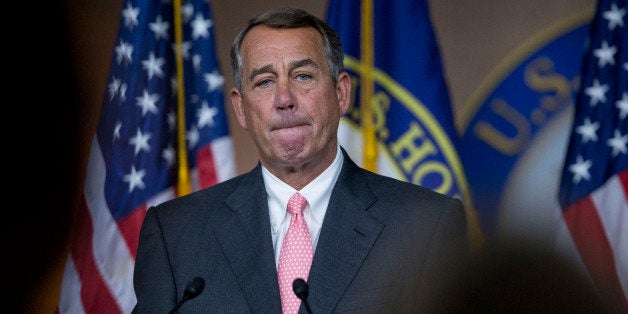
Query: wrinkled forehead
(263, 41)
(262, 36)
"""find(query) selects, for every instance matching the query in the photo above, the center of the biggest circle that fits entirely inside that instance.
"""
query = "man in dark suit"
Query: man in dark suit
(379, 245)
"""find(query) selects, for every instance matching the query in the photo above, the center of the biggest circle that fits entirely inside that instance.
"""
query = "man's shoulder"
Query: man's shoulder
(386, 187)
(393, 186)
(212, 195)
(412, 198)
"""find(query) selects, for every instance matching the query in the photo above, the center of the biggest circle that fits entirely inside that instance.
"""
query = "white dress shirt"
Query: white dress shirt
(317, 194)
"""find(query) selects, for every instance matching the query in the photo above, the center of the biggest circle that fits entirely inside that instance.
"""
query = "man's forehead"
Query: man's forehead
(270, 49)
(265, 33)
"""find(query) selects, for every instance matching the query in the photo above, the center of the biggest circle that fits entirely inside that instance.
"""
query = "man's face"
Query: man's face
(288, 101)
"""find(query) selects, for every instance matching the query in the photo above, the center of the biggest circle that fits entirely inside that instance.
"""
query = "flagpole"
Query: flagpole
(183, 182)
(367, 86)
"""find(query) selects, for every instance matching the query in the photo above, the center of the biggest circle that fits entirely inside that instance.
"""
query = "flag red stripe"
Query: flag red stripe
(95, 294)
(130, 228)
(588, 234)
(206, 167)
(623, 178)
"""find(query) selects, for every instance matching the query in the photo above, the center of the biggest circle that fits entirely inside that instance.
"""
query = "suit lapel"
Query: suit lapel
(250, 251)
(346, 237)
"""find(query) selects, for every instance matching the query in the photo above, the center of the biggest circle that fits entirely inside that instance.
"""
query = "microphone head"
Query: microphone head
(195, 287)
(300, 288)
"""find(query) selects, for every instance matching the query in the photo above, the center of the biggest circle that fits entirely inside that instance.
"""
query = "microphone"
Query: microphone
(300, 288)
(193, 289)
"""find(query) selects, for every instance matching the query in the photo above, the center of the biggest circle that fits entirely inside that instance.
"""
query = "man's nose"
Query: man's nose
(285, 96)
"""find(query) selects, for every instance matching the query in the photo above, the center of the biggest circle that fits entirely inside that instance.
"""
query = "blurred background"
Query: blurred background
(482, 46)
(474, 39)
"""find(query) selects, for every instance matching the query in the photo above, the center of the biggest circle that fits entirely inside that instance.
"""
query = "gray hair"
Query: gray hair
(290, 18)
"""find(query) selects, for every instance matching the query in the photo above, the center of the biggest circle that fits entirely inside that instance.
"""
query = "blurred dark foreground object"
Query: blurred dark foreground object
(517, 277)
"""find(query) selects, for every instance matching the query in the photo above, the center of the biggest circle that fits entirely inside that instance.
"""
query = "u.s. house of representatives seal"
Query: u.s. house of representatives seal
(515, 129)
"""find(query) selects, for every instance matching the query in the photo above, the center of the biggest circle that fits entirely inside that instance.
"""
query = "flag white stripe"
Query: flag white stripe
(70, 289)
(111, 254)
(161, 197)
(222, 151)
(612, 207)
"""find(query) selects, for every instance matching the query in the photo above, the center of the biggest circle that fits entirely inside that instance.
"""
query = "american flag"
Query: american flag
(133, 159)
(593, 191)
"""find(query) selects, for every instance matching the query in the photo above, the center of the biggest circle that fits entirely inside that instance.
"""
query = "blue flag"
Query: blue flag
(133, 159)
(393, 42)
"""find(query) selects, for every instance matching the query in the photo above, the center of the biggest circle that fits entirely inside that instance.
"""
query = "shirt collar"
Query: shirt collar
(317, 193)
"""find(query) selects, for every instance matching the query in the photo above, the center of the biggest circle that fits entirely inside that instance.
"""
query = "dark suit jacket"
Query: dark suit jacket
(383, 247)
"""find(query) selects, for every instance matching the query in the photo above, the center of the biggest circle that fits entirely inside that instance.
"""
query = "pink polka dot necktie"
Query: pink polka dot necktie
(296, 254)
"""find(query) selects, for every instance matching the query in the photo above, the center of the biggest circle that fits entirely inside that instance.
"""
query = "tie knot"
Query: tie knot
(296, 204)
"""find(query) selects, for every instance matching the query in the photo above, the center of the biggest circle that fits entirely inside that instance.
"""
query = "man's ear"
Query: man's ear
(238, 107)
(343, 90)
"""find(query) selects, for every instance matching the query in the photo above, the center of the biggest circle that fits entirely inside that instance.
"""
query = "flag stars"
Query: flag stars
(134, 179)
(116, 87)
(113, 87)
(200, 27)
(129, 15)
(116, 131)
(171, 119)
(186, 46)
(622, 105)
(192, 136)
(605, 55)
(615, 17)
(187, 10)
(140, 141)
(588, 130)
(618, 143)
(153, 66)
(148, 103)
(174, 86)
(206, 115)
(168, 155)
(160, 28)
(214, 80)
(580, 169)
(597, 93)
(122, 92)
(123, 52)
(196, 62)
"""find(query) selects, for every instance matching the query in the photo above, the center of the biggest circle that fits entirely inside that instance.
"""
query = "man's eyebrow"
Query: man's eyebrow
(293, 65)
(265, 69)
(302, 63)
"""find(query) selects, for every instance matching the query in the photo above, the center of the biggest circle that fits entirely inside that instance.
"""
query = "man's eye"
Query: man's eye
(263, 83)
(303, 77)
